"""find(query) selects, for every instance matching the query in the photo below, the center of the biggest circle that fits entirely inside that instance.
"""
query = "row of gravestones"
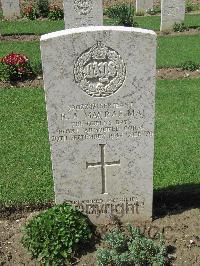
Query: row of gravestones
(89, 12)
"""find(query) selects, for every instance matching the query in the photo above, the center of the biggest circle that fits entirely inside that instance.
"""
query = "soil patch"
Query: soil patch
(35, 83)
(163, 73)
(176, 73)
(176, 216)
(32, 37)
(188, 32)
(181, 232)
(25, 37)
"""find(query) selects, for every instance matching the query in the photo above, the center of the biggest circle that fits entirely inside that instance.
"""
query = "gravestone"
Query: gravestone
(172, 11)
(79, 13)
(143, 5)
(10, 8)
(100, 96)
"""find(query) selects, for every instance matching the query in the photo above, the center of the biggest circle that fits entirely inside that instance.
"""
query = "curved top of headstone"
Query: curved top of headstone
(95, 28)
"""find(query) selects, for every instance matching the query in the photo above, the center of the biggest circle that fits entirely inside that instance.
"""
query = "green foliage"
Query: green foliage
(123, 14)
(153, 11)
(180, 27)
(116, 240)
(15, 67)
(55, 234)
(55, 13)
(190, 65)
(30, 12)
(189, 7)
(139, 13)
(43, 8)
(130, 249)
(4, 72)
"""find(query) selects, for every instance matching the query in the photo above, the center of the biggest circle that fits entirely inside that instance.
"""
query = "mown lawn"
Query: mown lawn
(25, 169)
(41, 27)
(172, 50)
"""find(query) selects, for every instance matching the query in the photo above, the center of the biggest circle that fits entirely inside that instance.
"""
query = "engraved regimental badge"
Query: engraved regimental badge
(100, 71)
(83, 7)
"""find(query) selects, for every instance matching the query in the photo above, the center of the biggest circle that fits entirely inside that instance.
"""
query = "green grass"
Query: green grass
(36, 27)
(172, 50)
(25, 170)
(153, 22)
(175, 50)
(177, 150)
(41, 27)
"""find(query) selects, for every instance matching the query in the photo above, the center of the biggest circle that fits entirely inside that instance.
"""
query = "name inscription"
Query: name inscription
(101, 121)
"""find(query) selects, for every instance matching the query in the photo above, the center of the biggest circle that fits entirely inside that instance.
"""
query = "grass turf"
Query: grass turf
(41, 27)
(172, 50)
(25, 170)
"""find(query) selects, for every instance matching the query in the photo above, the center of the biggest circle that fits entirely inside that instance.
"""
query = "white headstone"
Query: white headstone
(100, 94)
(172, 11)
(143, 5)
(79, 13)
(10, 8)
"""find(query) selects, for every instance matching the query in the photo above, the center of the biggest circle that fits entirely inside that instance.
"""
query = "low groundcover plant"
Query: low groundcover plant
(128, 249)
(54, 235)
(15, 67)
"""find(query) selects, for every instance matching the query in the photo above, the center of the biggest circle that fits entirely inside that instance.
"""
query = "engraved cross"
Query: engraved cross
(103, 165)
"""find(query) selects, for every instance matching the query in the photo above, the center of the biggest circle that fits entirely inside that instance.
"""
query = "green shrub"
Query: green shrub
(43, 8)
(130, 249)
(55, 13)
(123, 14)
(180, 27)
(4, 72)
(189, 7)
(189, 65)
(153, 11)
(15, 67)
(30, 12)
(139, 13)
(55, 234)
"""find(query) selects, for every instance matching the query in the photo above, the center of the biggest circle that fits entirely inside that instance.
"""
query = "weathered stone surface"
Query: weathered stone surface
(144, 5)
(79, 13)
(172, 11)
(100, 95)
(10, 9)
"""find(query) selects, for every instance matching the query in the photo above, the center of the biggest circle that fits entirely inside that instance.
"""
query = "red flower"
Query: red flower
(15, 59)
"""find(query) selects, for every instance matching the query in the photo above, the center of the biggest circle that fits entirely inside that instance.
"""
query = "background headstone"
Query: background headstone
(172, 11)
(100, 96)
(143, 5)
(79, 13)
(10, 8)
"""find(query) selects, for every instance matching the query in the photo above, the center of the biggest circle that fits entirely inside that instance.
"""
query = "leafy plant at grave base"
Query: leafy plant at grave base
(30, 12)
(124, 14)
(153, 11)
(43, 8)
(55, 13)
(139, 13)
(54, 235)
(15, 67)
(130, 249)
(180, 27)
(190, 65)
(188, 7)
